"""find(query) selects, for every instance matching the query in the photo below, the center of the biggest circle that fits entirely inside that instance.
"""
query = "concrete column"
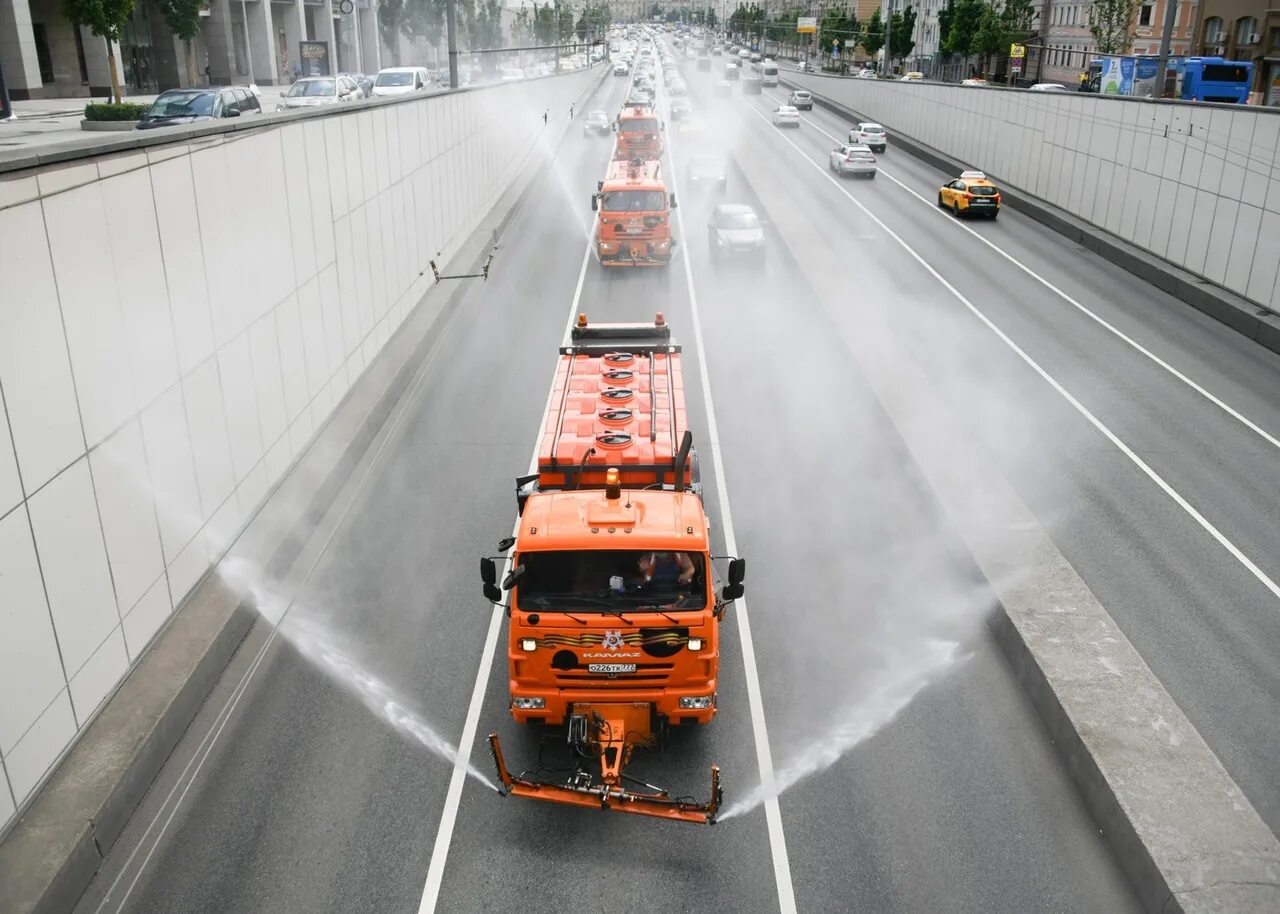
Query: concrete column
(329, 32)
(95, 58)
(372, 40)
(266, 65)
(18, 50)
(359, 43)
(250, 57)
(302, 23)
(217, 34)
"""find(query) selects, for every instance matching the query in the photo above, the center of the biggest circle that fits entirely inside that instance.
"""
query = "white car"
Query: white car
(620, 68)
(1049, 87)
(866, 73)
(853, 160)
(315, 91)
(400, 81)
(786, 116)
(866, 133)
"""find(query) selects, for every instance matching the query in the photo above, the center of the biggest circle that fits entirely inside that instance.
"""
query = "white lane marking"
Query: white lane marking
(207, 744)
(1101, 321)
(764, 756)
(1035, 366)
(453, 799)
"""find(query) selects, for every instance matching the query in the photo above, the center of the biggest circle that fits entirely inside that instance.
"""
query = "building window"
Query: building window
(1144, 14)
(1213, 30)
(1246, 31)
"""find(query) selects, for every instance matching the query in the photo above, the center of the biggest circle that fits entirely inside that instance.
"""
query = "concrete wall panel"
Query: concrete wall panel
(160, 372)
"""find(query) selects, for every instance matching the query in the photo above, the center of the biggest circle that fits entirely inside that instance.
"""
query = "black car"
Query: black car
(735, 231)
(731, 71)
(596, 122)
(186, 106)
(802, 99)
(708, 171)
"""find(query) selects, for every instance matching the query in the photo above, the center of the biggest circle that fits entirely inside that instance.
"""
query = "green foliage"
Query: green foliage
(1017, 16)
(566, 22)
(105, 18)
(839, 26)
(182, 17)
(945, 15)
(114, 111)
(991, 37)
(392, 15)
(966, 17)
(1109, 23)
(711, 17)
(873, 40)
(902, 29)
(422, 19)
(544, 24)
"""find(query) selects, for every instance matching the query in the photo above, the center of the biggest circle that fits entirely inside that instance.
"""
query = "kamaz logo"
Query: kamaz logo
(611, 655)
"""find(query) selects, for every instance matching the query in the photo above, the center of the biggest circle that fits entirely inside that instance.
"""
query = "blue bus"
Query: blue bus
(1213, 79)
(1197, 79)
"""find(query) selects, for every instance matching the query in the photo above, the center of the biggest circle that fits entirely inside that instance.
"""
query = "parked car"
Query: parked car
(1049, 87)
(186, 106)
(801, 99)
(735, 229)
(786, 116)
(364, 81)
(853, 160)
(621, 68)
(914, 76)
(974, 82)
(315, 91)
(400, 81)
(865, 133)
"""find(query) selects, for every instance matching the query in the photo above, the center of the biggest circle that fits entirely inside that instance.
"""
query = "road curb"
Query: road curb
(1248, 318)
(54, 849)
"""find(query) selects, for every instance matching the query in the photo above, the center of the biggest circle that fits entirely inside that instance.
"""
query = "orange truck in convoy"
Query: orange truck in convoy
(633, 225)
(639, 134)
(613, 601)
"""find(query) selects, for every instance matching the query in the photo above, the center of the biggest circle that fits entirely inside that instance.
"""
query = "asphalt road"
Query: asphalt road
(308, 802)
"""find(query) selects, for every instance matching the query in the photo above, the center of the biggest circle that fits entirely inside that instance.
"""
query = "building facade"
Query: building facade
(1244, 30)
(44, 55)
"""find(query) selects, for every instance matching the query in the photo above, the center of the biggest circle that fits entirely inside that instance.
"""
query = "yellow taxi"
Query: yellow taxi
(971, 194)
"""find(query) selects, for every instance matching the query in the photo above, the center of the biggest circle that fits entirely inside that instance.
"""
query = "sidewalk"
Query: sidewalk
(41, 121)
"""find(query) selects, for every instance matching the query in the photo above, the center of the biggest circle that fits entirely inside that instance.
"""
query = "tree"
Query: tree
(991, 37)
(183, 19)
(1110, 22)
(902, 30)
(106, 19)
(544, 24)
(1017, 16)
(392, 18)
(965, 19)
(873, 40)
(566, 22)
(945, 16)
(423, 19)
(711, 17)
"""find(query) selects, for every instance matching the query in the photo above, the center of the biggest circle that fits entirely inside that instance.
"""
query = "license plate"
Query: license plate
(611, 668)
(634, 229)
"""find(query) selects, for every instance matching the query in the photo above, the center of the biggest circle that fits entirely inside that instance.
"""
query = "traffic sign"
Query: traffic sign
(807, 25)
(1017, 51)
(1015, 64)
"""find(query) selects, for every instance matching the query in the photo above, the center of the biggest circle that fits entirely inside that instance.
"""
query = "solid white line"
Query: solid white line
(1093, 420)
(453, 799)
(755, 699)
(1102, 322)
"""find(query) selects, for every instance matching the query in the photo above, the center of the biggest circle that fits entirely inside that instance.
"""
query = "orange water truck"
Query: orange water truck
(634, 215)
(613, 600)
(639, 134)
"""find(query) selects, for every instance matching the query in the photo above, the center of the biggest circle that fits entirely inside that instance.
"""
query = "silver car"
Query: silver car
(853, 160)
(315, 91)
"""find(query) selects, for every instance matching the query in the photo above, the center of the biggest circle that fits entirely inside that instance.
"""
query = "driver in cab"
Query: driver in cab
(666, 568)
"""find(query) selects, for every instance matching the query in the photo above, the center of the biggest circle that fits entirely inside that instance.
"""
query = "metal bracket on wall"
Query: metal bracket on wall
(483, 274)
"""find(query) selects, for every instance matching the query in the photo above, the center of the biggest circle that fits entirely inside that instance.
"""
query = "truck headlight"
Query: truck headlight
(528, 644)
(529, 704)
(697, 703)
(695, 644)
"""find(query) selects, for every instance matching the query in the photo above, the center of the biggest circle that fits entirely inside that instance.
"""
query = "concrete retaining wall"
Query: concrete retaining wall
(1198, 185)
(176, 323)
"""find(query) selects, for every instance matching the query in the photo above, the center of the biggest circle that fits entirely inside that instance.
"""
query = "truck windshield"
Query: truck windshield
(639, 125)
(605, 581)
(633, 201)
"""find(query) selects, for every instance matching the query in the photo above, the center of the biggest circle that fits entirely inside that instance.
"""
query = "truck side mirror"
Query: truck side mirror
(595, 203)
(506, 543)
(673, 201)
(737, 571)
(513, 575)
(731, 592)
(492, 593)
(488, 571)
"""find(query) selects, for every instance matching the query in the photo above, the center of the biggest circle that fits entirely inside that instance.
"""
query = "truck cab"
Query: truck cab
(639, 134)
(633, 227)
